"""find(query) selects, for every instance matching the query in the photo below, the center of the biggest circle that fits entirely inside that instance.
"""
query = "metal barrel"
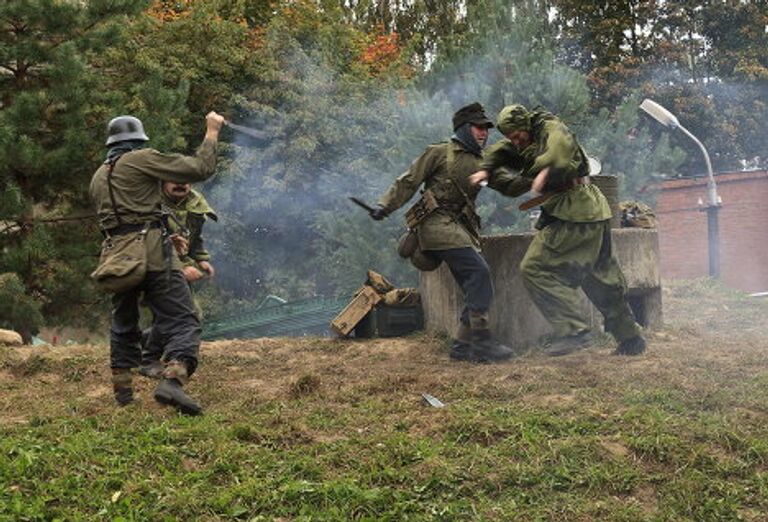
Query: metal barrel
(609, 186)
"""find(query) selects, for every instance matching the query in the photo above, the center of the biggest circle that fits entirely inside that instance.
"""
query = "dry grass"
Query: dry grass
(601, 437)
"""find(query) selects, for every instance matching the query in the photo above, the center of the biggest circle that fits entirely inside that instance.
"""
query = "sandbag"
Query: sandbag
(10, 338)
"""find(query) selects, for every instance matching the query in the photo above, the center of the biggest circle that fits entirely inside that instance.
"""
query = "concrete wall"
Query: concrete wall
(743, 223)
(515, 320)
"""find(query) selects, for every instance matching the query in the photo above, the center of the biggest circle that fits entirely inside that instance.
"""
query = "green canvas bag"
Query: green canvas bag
(123, 262)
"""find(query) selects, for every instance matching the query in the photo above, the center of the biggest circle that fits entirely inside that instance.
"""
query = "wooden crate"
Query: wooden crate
(365, 299)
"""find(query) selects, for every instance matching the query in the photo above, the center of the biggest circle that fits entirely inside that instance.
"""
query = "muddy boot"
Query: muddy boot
(632, 346)
(461, 349)
(122, 385)
(151, 369)
(569, 344)
(170, 390)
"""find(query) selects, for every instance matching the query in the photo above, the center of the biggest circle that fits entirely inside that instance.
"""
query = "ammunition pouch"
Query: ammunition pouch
(407, 244)
(424, 261)
(421, 209)
(408, 248)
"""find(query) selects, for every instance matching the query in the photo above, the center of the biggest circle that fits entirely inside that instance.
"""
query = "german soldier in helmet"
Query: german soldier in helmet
(572, 248)
(137, 256)
(446, 227)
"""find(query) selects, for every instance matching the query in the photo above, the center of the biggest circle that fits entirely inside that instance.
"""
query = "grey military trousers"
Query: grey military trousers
(170, 301)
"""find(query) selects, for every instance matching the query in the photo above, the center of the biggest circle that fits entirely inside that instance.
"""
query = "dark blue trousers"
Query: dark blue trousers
(175, 320)
(472, 274)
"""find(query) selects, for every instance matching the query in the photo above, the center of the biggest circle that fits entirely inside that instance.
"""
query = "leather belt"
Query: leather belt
(129, 228)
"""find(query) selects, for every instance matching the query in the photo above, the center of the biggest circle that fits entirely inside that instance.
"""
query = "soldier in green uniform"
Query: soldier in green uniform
(573, 246)
(187, 210)
(450, 232)
(126, 193)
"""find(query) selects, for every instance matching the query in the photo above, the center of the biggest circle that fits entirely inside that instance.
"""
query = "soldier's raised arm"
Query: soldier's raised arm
(179, 168)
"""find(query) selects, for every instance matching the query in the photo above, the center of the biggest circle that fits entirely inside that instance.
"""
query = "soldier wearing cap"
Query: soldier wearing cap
(188, 211)
(126, 193)
(572, 249)
(450, 232)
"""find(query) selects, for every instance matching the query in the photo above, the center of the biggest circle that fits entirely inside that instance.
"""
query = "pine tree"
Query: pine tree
(51, 130)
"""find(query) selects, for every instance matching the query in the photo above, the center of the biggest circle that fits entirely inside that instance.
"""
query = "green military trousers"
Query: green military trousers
(564, 257)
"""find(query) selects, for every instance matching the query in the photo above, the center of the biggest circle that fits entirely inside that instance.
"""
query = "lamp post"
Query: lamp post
(666, 118)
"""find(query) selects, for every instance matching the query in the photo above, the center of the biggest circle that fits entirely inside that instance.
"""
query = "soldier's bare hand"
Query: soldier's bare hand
(213, 124)
(540, 181)
(207, 267)
(180, 244)
(479, 177)
(214, 120)
(192, 274)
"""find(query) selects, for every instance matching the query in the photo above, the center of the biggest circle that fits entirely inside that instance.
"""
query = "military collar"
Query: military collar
(459, 146)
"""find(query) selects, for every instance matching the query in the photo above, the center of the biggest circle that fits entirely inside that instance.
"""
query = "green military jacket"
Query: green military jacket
(444, 168)
(188, 217)
(136, 182)
(554, 146)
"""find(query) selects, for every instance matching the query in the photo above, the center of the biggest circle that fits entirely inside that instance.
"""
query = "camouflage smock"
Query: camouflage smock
(444, 168)
(554, 146)
(136, 180)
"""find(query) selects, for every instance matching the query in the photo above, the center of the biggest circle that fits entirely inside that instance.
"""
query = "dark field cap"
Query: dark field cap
(472, 113)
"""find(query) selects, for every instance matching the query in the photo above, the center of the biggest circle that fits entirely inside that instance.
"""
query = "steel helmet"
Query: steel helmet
(125, 128)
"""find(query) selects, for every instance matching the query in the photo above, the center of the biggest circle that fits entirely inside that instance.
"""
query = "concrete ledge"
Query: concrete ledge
(515, 320)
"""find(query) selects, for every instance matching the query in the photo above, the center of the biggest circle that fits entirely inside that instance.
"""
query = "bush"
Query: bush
(18, 311)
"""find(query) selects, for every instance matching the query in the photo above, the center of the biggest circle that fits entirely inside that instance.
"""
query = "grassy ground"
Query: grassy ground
(315, 429)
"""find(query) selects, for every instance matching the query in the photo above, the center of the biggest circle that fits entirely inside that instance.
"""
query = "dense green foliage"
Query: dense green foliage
(349, 94)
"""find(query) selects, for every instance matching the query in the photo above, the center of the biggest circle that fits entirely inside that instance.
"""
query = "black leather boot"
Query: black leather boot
(122, 385)
(461, 349)
(170, 390)
(487, 349)
(569, 344)
(632, 346)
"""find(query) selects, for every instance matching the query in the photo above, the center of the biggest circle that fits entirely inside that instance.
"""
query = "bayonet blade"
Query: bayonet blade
(361, 203)
(253, 133)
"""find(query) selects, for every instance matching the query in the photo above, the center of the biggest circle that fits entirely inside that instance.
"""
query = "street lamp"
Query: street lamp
(666, 118)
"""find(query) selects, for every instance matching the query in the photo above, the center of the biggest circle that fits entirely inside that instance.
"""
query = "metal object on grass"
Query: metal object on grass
(432, 401)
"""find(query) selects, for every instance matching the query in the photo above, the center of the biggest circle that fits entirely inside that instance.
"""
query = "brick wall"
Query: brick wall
(743, 220)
